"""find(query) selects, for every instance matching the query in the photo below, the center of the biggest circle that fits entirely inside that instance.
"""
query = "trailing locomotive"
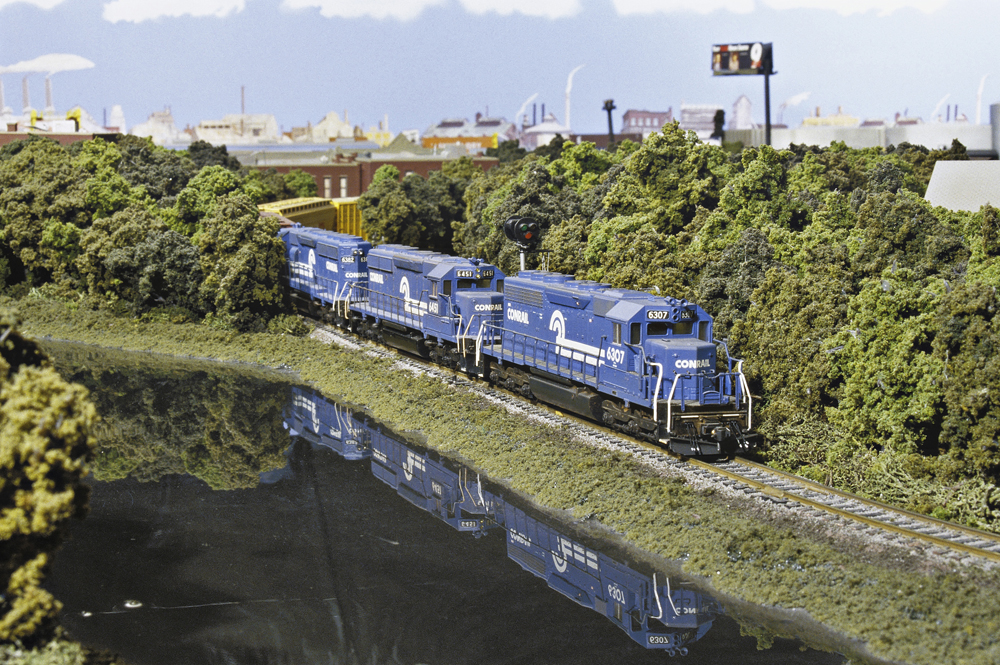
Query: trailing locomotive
(643, 364)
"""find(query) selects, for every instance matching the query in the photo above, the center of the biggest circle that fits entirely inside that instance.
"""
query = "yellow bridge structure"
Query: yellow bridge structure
(340, 215)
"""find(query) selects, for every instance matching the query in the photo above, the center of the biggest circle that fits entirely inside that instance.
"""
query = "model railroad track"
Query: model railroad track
(741, 475)
(784, 487)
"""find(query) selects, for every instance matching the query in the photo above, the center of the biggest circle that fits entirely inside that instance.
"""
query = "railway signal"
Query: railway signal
(525, 233)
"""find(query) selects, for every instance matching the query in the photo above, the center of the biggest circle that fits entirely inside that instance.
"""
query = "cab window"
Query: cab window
(434, 289)
(658, 329)
(483, 283)
(617, 336)
(635, 334)
(682, 328)
(446, 288)
(499, 286)
(464, 284)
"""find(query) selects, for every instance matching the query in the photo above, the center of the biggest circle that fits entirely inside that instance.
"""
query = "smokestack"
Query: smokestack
(24, 94)
(569, 88)
(49, 106)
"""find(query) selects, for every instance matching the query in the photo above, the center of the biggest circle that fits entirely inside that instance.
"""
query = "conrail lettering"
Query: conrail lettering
(489, 307)
(519, 539)
(355, 275)
(693, 364)
(517, 315)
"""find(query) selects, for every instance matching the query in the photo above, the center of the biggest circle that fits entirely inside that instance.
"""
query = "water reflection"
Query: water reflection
(312, 557)
(655, 613)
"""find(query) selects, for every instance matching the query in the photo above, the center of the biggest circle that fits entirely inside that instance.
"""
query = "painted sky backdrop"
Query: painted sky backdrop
(419, 61)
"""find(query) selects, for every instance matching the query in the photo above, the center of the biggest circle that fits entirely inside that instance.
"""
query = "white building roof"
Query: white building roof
(964, 185)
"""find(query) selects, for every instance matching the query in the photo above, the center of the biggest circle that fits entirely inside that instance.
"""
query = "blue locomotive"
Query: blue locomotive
(642, 364)
(321, 269)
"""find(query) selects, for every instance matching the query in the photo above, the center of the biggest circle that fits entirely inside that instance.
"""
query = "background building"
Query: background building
(645, 122)
(475, 137)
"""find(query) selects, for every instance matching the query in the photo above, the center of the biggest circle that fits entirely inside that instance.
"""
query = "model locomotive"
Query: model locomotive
(642, 364)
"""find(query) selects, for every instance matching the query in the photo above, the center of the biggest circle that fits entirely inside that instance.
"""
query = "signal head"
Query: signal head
(523, 230)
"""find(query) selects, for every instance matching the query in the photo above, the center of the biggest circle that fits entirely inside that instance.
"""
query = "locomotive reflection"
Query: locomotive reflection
(653, 610)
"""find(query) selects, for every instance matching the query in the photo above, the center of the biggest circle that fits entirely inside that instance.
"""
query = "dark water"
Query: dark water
(242, 519)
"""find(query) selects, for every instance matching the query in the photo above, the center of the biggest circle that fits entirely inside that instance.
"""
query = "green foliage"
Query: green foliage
(414, 211)
(162, 270)
(507, 151)
(124, 229)
(268, 185)
(784, 342)
(45, 444)
(198, 200)
(203, 153)
(39, 187)
(553, 149)
(300, 184)
(901, 229)
(289, 324)
(384, 172)
(967, 344)
(891, 395)
(163, 173)
(582, 165)
(921, 160)
(241, 258)
(668, 179)
(726, 285)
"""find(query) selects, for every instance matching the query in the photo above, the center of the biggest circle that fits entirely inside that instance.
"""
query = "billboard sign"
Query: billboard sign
(746, 59)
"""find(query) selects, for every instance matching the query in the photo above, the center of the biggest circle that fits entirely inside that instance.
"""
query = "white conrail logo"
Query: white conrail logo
(489, 307)
(568, 348)
(693, 364)
(410, 305)
(413, 465)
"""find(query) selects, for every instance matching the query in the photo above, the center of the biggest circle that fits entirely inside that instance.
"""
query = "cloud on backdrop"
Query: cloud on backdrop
(48, 64)
(136, 11)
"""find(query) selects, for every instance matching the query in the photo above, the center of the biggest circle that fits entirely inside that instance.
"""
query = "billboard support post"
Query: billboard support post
(767, 108)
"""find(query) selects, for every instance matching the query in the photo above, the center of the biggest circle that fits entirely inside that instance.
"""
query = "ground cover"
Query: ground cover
(899, 612)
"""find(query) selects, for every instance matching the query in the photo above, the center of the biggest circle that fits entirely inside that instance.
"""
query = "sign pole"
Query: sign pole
(767, 107)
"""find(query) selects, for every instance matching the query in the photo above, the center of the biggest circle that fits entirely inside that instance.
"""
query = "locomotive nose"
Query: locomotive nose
(684, 356)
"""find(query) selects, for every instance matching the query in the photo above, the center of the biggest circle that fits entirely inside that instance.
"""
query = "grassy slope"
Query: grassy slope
(904, 616)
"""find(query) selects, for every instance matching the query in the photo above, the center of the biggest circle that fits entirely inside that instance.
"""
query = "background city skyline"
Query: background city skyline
(419, 61)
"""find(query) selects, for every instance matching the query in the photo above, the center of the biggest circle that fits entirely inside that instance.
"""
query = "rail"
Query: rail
(878, 515)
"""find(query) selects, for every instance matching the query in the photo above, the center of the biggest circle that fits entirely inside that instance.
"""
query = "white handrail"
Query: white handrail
(479, 344)
(670, 403)
(746, 391)
(656, 394)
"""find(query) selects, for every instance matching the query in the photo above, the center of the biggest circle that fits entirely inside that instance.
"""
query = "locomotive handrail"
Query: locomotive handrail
(656, 393)
(746, 393)
(546, 346)
(670, 400)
